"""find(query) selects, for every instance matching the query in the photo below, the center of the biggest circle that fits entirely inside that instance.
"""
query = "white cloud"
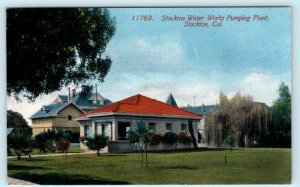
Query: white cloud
(262, 87)
(255, 78)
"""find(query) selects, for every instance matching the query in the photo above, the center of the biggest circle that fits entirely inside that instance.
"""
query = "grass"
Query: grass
(244, 166)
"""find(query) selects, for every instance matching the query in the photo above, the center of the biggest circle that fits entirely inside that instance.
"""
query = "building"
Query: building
(60, 114)
(116, 119)
(56, 116)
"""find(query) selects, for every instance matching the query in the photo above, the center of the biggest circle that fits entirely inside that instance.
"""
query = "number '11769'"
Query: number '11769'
(142, 18)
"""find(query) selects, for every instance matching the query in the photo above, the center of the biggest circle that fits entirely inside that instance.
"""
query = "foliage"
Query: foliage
(47, 141)
(155, 139)
(133, 136)
(63, 145)
(247, 120)
(229, 140)
(17, 121)
(245, 166)
(170, 138)
(21, 143)
(184, 138)
(56, 47)
(140, 139)
(97, 142)
(281, 116)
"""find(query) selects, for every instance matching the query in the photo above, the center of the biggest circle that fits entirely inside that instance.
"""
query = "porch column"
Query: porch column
(114, 130)
(93, 128)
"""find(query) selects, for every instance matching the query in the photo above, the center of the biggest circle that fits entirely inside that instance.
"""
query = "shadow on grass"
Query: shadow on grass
(18, 167)
(119, 154)
(63, 178)
(177, 167)
(202, 149)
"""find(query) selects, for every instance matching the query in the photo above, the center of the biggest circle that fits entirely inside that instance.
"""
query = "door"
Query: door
(123, 128)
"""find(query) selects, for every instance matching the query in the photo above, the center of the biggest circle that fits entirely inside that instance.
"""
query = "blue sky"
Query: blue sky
(155, 58)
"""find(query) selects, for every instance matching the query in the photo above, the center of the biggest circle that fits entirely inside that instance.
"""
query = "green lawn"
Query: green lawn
(244, 166)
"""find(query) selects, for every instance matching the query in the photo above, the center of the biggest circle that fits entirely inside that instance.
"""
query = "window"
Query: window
(183, 127)
(152, 127)
(168, 127)
(69, 117)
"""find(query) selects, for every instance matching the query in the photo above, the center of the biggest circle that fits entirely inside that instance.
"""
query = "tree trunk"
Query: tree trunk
(146, 156)
(142, 158)
(191, 130)
(18, 155)
(98, 152)
(246, 140)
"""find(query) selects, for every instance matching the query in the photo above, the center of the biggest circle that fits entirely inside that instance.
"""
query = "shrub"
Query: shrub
(63, 145)
(47, 140)
(184, 138)
(97, 142)
(170, 138)
(155, 139)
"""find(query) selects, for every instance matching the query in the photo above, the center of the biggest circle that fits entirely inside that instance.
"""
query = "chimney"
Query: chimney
(69, 94)
(73, 93)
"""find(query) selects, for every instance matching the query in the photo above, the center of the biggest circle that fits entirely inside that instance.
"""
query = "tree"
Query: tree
(247, 121)
(97, 142)
(16, 120)
(281, 116)
(140, 138)
(21, 143)
(48, 48)
(191, 130)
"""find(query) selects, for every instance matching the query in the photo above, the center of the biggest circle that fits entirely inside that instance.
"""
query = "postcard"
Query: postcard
(185, 95)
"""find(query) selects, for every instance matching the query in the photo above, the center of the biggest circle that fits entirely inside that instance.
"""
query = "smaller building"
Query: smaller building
(61, 112)
(116, 119)
(56, 116)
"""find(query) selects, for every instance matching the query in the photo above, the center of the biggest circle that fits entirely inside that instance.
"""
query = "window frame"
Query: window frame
(170, 125)
(153, 125)
(184, 125)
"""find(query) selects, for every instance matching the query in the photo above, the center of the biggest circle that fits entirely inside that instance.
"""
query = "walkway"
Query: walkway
(56, 154)
(12, 181)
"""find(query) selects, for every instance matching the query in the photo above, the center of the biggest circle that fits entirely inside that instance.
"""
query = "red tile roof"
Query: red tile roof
(142, 105)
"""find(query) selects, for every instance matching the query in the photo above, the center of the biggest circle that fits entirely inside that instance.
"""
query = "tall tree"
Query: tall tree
(240, 119)
(48, 48)
(281, 115)
(140, 138)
